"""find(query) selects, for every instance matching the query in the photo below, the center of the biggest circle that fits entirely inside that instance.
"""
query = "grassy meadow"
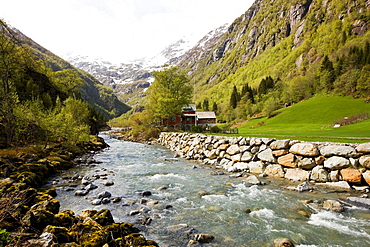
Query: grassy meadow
(313, 120)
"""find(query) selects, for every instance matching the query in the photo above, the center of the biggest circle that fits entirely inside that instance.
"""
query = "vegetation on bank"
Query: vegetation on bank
(167, 95)
(45, 123)
(37, 104)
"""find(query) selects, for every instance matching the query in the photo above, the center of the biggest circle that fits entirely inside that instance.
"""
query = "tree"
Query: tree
(265, 85)
(205, 105)
(363, 84)
(247, 92)
(214, 107)
(169, 92)
(68, 81)
(234, 98)
(327, 74)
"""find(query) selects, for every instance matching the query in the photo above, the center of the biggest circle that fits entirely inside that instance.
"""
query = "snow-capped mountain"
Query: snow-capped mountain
(130, 80)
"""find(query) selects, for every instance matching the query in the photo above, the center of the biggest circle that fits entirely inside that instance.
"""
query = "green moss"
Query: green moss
(60, 233)
(38, 219)
(66, 218)
(103, 217)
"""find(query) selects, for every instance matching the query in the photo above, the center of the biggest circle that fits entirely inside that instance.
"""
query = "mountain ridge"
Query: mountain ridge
(130, 80)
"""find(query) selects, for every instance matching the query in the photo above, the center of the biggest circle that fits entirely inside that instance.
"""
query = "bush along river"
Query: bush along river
(177, 202)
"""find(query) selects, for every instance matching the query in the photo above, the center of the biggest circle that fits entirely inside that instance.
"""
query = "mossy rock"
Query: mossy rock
(87, 213)
(51, 206)
(60, 233)
(29, 178)
(127, 228)
(103, 217)
(137, 239)
(38, 219)
(90, 234)
(66, 218)
(52, 192)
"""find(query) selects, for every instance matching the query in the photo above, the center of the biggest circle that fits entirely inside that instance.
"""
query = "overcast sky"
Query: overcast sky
(117, 30)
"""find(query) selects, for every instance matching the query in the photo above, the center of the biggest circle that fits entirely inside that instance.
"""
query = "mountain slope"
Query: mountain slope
(305, 47)
(92, 91)
(130, 80)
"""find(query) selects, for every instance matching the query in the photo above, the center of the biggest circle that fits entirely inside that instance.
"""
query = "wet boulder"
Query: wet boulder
(81, 192)
(104, 194)
(91, 187)
(203, 238)
(333, 205)
(283, 242)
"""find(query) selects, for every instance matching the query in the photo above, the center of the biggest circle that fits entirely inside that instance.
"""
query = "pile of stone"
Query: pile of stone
(331, 163)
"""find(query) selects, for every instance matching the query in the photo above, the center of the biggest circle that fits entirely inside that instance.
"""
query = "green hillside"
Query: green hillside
(314, 119)
(301, 48)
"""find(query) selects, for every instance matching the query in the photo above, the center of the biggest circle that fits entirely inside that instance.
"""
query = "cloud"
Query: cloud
(117, 29)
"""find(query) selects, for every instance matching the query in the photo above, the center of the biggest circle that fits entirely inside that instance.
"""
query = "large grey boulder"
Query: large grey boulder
(304, 149)
(365, 161)
(319, 174)
(363, 148)
(247, 156)
(266, 155)
(338, 150)
(280, 144)
(336, 163)
(297, 174)
(241, 166)
(233, 149)
(256, 167)
(306, 163)
(275, 171)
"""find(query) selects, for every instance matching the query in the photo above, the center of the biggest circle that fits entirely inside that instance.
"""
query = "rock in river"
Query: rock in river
(104, 194)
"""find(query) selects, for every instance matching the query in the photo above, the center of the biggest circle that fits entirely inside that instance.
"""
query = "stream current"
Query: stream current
(212, 204)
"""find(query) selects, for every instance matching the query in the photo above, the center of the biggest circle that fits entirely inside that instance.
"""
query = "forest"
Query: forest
(41, 103)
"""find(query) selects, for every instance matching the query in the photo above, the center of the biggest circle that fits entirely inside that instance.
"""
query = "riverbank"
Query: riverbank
(32, 217)
(211, 200)
(338, 165)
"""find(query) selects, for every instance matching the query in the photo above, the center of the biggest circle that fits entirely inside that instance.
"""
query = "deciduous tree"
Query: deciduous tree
(169, 92)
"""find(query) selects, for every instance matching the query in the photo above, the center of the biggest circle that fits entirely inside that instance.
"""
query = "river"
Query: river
(189, 193)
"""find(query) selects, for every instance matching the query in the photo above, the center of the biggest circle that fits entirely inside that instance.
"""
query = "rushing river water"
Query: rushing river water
(211, 204)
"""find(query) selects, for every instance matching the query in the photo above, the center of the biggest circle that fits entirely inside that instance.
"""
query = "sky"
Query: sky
(117, 30)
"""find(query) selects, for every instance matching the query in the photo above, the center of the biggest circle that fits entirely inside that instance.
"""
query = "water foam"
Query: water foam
(264, 214)
(167, 176)
(339, 222)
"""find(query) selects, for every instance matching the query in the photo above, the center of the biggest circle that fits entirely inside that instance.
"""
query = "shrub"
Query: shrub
(4, 237)
(215, 129)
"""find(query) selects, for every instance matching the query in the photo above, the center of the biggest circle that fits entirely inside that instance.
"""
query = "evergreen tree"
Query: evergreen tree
(234, 98)
(205, 105)
(214, 107)
(327, 75)
(266, 84)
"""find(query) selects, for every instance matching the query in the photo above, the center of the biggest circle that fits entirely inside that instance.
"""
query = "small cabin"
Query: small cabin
(190, 117)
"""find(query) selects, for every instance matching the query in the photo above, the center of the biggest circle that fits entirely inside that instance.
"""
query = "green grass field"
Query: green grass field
(313, 120)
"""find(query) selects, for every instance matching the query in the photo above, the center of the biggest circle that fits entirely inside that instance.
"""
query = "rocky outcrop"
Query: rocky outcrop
(329, 163)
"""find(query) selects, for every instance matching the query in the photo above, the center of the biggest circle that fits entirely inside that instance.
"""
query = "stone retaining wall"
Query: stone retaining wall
(290, 159)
